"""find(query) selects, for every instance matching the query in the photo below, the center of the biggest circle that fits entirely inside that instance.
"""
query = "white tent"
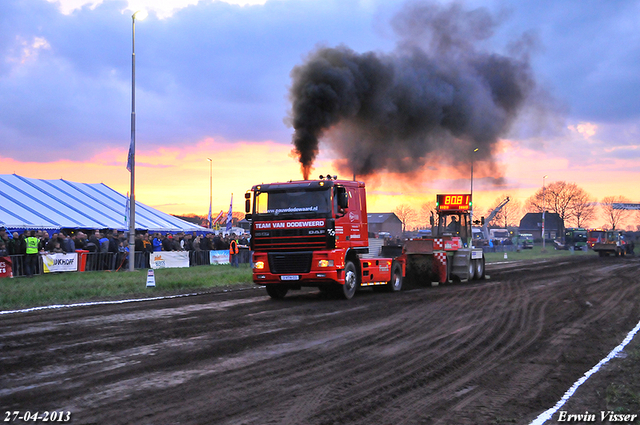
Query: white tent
(60, 204)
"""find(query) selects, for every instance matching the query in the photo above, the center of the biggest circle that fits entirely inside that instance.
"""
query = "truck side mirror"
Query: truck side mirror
(343, 197)
(247, 202)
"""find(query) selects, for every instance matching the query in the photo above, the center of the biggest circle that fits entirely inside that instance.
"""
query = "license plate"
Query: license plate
(294, 277)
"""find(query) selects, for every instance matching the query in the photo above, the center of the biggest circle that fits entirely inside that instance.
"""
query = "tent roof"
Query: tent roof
(60, 204)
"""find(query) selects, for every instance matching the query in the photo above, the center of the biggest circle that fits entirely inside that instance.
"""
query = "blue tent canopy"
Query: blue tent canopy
(60, 204)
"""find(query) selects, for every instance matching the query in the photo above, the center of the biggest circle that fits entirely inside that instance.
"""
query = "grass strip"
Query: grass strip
(535, 253)
(63, 288)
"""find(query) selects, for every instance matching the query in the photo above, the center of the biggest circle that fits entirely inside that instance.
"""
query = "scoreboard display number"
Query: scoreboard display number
(454, 202)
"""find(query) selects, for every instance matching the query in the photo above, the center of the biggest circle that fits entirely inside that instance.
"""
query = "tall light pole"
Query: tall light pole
(210, 190)
(544, 207)
(141, 14)
(471, 211)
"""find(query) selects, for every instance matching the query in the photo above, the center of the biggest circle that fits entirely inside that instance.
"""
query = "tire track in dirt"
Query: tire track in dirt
(468, 352)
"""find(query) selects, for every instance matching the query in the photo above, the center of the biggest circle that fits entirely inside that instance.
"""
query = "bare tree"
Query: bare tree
(567, 200)
(427, 210)
(406, 214)
(611, 215)
(584, 210)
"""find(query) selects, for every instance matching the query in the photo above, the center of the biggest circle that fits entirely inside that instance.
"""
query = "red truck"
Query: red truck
(315, 233)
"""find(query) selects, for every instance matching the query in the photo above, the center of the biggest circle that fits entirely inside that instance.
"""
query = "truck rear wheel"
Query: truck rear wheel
(350, 280)
(479, 268)
(472, 269)
(277, 292)
(395, 284)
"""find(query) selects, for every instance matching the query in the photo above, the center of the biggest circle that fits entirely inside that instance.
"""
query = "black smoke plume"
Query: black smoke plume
(436, 98)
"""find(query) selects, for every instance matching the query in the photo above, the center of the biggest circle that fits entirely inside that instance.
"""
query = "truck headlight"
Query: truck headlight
(258, 265)
(325, 263)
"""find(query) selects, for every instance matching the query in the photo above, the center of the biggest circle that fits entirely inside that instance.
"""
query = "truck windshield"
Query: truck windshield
(293, 202)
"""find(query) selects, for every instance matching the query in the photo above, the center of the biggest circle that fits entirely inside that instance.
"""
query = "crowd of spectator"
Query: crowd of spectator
(114, 245)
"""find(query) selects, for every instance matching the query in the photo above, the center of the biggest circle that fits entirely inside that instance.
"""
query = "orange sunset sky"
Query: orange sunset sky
(176, 180)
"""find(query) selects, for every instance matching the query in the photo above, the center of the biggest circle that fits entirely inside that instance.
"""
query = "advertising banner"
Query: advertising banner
(169, 259)
(219, 257)
(59, 263)
(5, 267)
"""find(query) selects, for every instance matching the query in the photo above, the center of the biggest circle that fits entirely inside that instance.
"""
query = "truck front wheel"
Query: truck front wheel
(350, 280)
(277, 292)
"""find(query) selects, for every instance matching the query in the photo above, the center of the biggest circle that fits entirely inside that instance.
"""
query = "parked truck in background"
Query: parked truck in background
(594, 236)
(613, 242)
(574, 238)
(315, 233)
(499, 236)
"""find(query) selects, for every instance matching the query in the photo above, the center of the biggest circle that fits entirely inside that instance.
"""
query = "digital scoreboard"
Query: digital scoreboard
(448, 202)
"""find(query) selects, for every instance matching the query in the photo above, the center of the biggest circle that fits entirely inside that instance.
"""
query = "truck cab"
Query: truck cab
(313, 233)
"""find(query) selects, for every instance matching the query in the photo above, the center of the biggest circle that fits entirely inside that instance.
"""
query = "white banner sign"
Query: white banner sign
(59, 263)
(219, 257)
(169, 259)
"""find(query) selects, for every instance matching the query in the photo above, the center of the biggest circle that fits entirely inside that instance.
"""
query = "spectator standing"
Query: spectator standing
(113, 250)
(167, 244)
(50, 244)
(233, 251)
(217, 242)
(138, 244)
(175, 242)
(93, 244)
(187, 243)
(123, 255)
(15, 246)
(68, 245)
(205, 243)
(104, 243)
(31, 250)
(4, 237)
(3, 249)
(148, 249)
(114, 240)
(79, 239)
(157, 242)
(44, 241)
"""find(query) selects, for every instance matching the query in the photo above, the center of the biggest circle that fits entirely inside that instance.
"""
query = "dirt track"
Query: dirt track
(500, 351)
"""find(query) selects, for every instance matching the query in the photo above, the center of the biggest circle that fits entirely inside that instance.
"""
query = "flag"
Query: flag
(230, 214)
(210, 222)
(127, 208)
(215, 220)
(130, 157)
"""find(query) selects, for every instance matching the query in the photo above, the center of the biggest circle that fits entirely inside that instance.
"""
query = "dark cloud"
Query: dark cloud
(437, 97)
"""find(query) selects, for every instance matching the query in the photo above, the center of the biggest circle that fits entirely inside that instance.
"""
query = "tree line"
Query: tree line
(574, 205)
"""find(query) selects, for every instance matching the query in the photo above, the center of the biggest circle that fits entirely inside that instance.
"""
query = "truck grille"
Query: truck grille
(290, 240)
(290, 262)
